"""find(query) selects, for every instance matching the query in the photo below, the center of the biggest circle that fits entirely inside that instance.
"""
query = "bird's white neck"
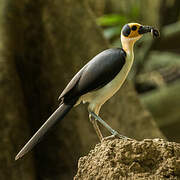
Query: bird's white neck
(128, 45)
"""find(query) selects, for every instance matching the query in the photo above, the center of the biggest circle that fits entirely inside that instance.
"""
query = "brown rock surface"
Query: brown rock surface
(122, 159)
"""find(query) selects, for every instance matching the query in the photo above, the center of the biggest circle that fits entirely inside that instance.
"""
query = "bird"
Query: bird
(95, 83)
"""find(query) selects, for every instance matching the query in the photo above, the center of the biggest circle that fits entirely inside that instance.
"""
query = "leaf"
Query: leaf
(111, 20)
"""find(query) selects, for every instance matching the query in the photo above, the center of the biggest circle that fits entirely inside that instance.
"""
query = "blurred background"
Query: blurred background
(44, 43)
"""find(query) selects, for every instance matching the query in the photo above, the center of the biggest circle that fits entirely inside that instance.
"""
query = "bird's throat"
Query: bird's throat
(128, 45)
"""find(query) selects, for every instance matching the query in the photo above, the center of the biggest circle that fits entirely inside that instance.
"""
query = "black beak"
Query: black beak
(147, 29)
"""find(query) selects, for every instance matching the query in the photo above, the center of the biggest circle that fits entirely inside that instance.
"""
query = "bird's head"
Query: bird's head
(132, 32)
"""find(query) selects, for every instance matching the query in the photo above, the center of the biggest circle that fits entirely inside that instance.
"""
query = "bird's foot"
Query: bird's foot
(109, 137)
(116, 135)
(112, 131)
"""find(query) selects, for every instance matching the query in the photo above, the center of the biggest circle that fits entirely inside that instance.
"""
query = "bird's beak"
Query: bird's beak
(146, 29)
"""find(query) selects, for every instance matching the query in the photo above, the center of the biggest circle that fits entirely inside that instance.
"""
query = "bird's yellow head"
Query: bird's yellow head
(135, 30)
(132, 32)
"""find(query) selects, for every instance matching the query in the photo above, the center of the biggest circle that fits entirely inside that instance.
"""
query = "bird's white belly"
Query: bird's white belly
(100, 96)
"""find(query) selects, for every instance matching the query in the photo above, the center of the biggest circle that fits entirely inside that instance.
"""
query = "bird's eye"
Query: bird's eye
(134, 28)
(126, 30)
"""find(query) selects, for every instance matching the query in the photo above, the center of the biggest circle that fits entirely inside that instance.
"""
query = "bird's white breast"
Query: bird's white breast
(100, 96)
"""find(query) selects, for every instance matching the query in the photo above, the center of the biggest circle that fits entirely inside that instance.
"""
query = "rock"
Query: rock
(122, 159)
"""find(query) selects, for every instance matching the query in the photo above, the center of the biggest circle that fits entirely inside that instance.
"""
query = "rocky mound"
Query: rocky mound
(121, 159)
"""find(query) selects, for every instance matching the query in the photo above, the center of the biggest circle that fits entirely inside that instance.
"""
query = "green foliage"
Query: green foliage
(111, 20)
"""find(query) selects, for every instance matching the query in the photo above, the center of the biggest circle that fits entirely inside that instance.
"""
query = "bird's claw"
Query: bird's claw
(116, 135)
(109, 137)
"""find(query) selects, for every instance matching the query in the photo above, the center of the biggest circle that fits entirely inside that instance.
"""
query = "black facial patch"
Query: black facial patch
(126, 30)
(134, 28)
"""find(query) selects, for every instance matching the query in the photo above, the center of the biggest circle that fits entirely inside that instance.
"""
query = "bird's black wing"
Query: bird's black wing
(96, 73)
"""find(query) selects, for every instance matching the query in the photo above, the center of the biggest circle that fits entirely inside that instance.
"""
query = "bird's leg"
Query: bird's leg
(96, 127)
(112, 131)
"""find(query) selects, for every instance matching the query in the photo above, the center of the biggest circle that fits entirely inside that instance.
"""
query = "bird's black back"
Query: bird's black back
(95, 74)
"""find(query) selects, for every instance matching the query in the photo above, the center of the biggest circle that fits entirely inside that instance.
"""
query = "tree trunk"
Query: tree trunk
(52, 40)
(13, 123)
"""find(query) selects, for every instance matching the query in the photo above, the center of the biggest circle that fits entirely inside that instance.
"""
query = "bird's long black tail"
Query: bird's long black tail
(59, 114)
